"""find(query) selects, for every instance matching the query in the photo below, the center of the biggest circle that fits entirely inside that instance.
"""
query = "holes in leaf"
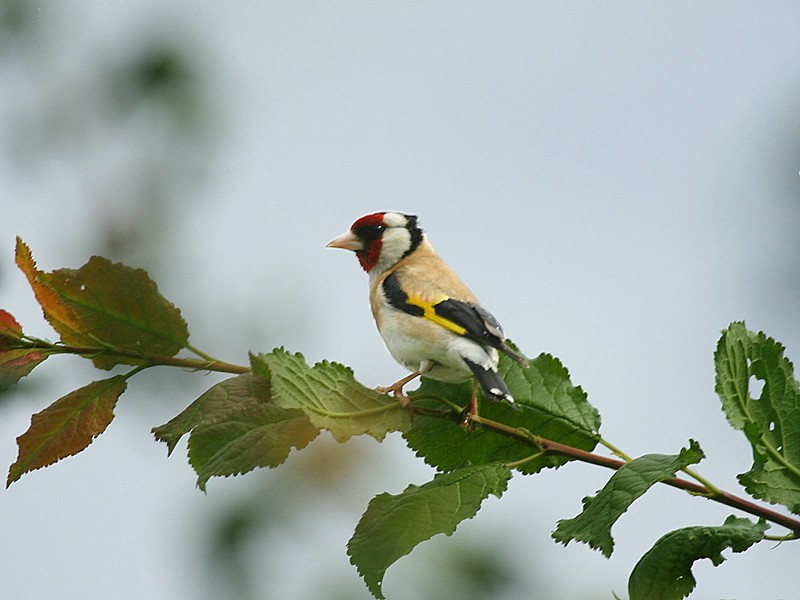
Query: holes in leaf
(772, 427)
(755, 387)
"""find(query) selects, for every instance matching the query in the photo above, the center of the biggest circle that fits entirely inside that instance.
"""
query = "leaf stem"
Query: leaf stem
(446, 401)
(136, 370)
(782, 538)
(614, 450)
(715, 491)
(518, 463)
(201, 354)
(149, 360)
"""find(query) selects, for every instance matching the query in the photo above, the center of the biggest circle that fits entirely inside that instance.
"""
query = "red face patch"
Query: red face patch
(368, 257)
(369, 229)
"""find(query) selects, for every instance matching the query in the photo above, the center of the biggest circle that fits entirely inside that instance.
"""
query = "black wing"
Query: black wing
(479, 323)
(463, 318)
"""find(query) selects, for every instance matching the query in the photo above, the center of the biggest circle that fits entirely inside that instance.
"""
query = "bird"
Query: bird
(430, 321)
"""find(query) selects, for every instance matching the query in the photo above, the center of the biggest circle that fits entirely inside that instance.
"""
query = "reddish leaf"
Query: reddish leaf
(67, 426)
(107, 304)
(55, 310)
(10, 330)
(15, 364)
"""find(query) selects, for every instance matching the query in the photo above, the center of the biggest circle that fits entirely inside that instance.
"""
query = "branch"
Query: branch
(522, 435)
(612, 463)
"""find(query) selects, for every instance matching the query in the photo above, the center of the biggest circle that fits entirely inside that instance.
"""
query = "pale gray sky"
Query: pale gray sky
(617, 181)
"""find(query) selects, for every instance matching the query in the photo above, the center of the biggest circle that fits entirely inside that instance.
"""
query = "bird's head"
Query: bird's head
(381, 239)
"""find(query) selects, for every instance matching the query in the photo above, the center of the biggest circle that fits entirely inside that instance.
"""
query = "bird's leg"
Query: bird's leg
(471, 409)
(397, 388)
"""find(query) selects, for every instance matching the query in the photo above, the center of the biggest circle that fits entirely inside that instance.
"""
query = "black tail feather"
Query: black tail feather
(493, 386)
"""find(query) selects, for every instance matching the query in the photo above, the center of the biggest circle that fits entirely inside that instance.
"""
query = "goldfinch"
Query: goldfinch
(431, 323)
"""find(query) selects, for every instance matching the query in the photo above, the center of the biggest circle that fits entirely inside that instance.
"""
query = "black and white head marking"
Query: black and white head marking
(400, 237)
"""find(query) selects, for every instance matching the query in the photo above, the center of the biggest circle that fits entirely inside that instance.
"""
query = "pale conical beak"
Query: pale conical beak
(347, 241)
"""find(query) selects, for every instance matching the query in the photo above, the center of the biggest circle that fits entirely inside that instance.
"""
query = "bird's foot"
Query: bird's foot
(470, 411)
(396, 389)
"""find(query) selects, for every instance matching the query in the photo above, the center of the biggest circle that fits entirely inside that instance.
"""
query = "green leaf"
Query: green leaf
(261, 435)
(770, 420)
(330, 396)
(215, 405)
(393, 525)
(545, 387)
(67, 426)
(106, 304)
(235, 428)
(631, 481)
(551, 407)
(665, 571)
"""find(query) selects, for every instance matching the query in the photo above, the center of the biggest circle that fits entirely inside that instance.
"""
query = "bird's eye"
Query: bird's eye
(370, 232)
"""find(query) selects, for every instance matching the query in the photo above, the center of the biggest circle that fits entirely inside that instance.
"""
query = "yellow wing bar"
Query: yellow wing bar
(429, 312)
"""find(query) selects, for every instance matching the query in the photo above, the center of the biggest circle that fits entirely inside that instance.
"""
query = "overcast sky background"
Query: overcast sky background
(617, 181)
